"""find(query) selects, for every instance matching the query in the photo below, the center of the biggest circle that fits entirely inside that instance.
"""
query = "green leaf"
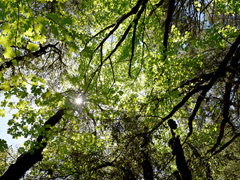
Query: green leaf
(32, 46)
(21, 150)
(5, 86)
(120, 93)
(8, 52)
(2, 112)
(3, 145)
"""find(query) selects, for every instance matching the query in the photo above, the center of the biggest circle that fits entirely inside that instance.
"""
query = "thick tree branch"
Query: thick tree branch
(226, 100)
(178, 106)
(35, 54)
(226, 104)
(147, 167)
(180, 158)
(177, 150)
(226, 144)
(27, 160)
(168, 22)
(146, 163)
(204, 90)
(221, 69)
(197, 80)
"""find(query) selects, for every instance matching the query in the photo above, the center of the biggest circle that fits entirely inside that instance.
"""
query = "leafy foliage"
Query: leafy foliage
(135, 65)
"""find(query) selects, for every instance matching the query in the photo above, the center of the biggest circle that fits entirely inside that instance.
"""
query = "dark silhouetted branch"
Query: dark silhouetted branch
(28, 159)
(214, 78)
(168, 23)
(182, 166)
(178, 106)
(226, 144)
(35, 54)
(226, 105)
(134, 34)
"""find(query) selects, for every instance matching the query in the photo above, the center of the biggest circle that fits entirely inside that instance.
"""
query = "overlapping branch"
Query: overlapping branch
(218, 73)
(115, 26)
(226, 105)
(178, 106)
(221, 69)
(134, 10)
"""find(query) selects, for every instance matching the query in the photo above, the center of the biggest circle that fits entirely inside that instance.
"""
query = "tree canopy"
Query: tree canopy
(106, 89)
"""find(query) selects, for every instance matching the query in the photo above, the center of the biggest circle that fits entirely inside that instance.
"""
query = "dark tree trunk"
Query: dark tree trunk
(147, 167)
(180, 159)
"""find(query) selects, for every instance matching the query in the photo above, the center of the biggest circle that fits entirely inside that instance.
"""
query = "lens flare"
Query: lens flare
(78, 100)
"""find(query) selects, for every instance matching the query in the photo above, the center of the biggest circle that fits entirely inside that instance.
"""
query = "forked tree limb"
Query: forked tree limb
(218, 73)
(204, 89)
(226, 104)
(178, 106)
(115, 26)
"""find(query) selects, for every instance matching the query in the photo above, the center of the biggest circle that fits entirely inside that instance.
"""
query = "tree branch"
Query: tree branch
(156, 6)
(134, 34)
(178, 106)
(226, 144)
(168, 22)
(214, 78)
(226, 105)
(27, 160)
(134, 10)
(182, 166)
(35, 54)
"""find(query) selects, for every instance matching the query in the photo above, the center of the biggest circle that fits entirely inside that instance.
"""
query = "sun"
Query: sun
(78, 100)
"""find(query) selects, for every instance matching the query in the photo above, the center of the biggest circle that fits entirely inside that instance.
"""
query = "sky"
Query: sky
(4, 126)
